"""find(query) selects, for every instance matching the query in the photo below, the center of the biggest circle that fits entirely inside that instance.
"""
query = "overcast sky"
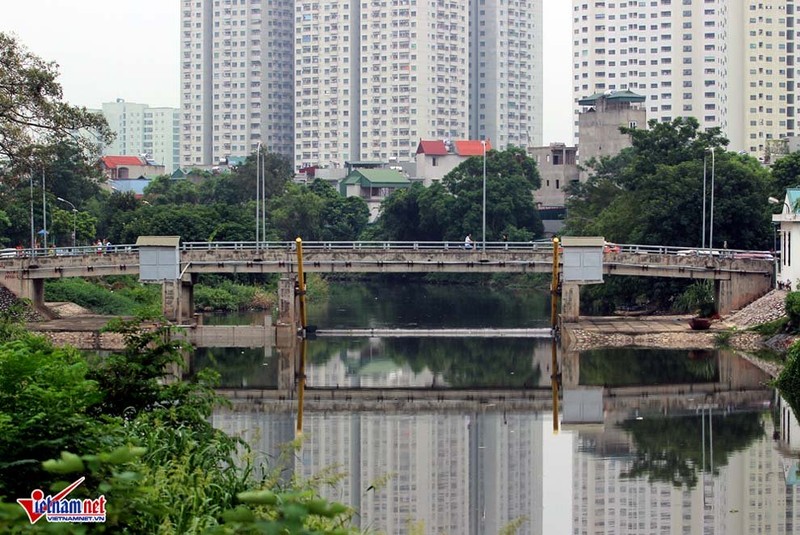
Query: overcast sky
(109, 49)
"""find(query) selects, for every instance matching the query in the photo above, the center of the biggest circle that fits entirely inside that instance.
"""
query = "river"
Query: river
(647, 441)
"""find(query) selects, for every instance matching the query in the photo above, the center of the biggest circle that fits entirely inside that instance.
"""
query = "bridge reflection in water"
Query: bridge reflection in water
(459, 456)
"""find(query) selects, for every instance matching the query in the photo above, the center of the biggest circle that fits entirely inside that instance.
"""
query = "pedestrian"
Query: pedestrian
(505, 237)
(468, 242)
(99, 245)
(108, 245)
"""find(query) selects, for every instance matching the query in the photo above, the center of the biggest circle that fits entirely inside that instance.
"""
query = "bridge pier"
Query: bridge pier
(570, 302)
(739, 291)
(31, 289)
(177, 298)
(287, 324)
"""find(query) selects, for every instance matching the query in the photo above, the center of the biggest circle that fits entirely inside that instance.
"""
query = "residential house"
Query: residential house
(436, 158)
(128, 167)
(373, 185)
(789, 266)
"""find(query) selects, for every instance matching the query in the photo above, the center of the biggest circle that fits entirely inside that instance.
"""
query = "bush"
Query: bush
(792, 304)
(788, 381)
(90, 295)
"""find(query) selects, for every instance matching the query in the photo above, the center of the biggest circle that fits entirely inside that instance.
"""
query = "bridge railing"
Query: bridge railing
(380, 245)
(369, 245)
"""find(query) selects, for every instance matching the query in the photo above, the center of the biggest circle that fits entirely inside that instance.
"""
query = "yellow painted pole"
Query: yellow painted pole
(301, 282)
(301, 387)
(554, 289)
(301, 372)
(554, 329)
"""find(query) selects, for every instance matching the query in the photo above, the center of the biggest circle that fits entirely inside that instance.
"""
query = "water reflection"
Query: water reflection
(476, 472)
(650, 441)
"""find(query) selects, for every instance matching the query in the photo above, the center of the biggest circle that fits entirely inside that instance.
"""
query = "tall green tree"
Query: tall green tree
(454, 208)
(652, 192)
(785, 174)
(32, 112)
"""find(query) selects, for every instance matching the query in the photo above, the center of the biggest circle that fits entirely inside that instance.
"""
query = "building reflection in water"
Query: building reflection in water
(475, 471)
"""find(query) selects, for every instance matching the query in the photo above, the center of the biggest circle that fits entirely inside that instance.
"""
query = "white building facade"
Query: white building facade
(236, 79)
(729, 64)
(506, 72)
(373, 78)
(141, 130)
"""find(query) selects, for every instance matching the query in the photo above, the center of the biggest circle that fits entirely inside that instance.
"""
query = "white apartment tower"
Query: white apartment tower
(727, 63)
(765, 43)
(236, 79)
(506, 84)
(141, 129)
(673, 52)
(372, 78)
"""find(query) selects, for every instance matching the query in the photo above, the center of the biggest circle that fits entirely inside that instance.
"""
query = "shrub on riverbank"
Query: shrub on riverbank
(112, 296)
(145, 445)
(788, 381)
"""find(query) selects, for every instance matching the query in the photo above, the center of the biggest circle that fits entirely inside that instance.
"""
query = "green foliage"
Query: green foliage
(785, 174)
(46, 396)
(792, 304)
(771, 328)
(698, 299)
(788, 381)
(652, 192)
(161, 465)
(453, 208)
(103, 297)
(670, 449)
(722, 339)
(32, 110)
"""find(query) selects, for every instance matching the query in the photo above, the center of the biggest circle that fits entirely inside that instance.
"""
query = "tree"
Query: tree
(32, 112)
(511, 178)
(786, 174)
(239, 186)
(652, 192)
(453, 208)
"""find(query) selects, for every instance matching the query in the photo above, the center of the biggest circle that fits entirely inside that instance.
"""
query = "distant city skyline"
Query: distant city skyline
(129, 49)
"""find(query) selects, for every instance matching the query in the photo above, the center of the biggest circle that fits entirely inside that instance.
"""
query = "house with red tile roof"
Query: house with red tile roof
(129, 167)
(436, 158)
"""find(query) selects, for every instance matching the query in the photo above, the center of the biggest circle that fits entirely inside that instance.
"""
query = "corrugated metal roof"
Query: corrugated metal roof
(792, 197)
(432, 148)
(113, 161)
(471, 147)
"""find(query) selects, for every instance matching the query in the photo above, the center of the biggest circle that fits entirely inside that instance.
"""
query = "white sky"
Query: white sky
(109, 49)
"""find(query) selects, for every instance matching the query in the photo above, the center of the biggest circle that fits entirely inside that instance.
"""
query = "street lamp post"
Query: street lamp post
(711, 223)
(704, 203)
(483, 236)
(258, 190)
(74, 218)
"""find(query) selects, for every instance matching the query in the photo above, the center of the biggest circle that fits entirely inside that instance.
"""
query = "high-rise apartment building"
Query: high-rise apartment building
(670, 51)
(765, 43)
(141, 130)
(329, 82)
(236, 78)
(506, 72)
(728, 64)
(373, 78)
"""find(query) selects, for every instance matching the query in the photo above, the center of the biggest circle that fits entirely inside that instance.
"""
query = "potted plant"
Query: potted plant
(699, 299)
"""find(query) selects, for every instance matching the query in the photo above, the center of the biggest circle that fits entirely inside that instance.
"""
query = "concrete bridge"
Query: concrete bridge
(739, 276)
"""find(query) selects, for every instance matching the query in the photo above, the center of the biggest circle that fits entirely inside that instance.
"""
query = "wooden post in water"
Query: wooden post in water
(554, 331)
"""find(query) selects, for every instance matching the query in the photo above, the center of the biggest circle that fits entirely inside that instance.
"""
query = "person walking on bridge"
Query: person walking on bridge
(468, 242)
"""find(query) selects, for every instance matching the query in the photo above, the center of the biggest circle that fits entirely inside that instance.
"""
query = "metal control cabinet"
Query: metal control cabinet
(582, 259)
